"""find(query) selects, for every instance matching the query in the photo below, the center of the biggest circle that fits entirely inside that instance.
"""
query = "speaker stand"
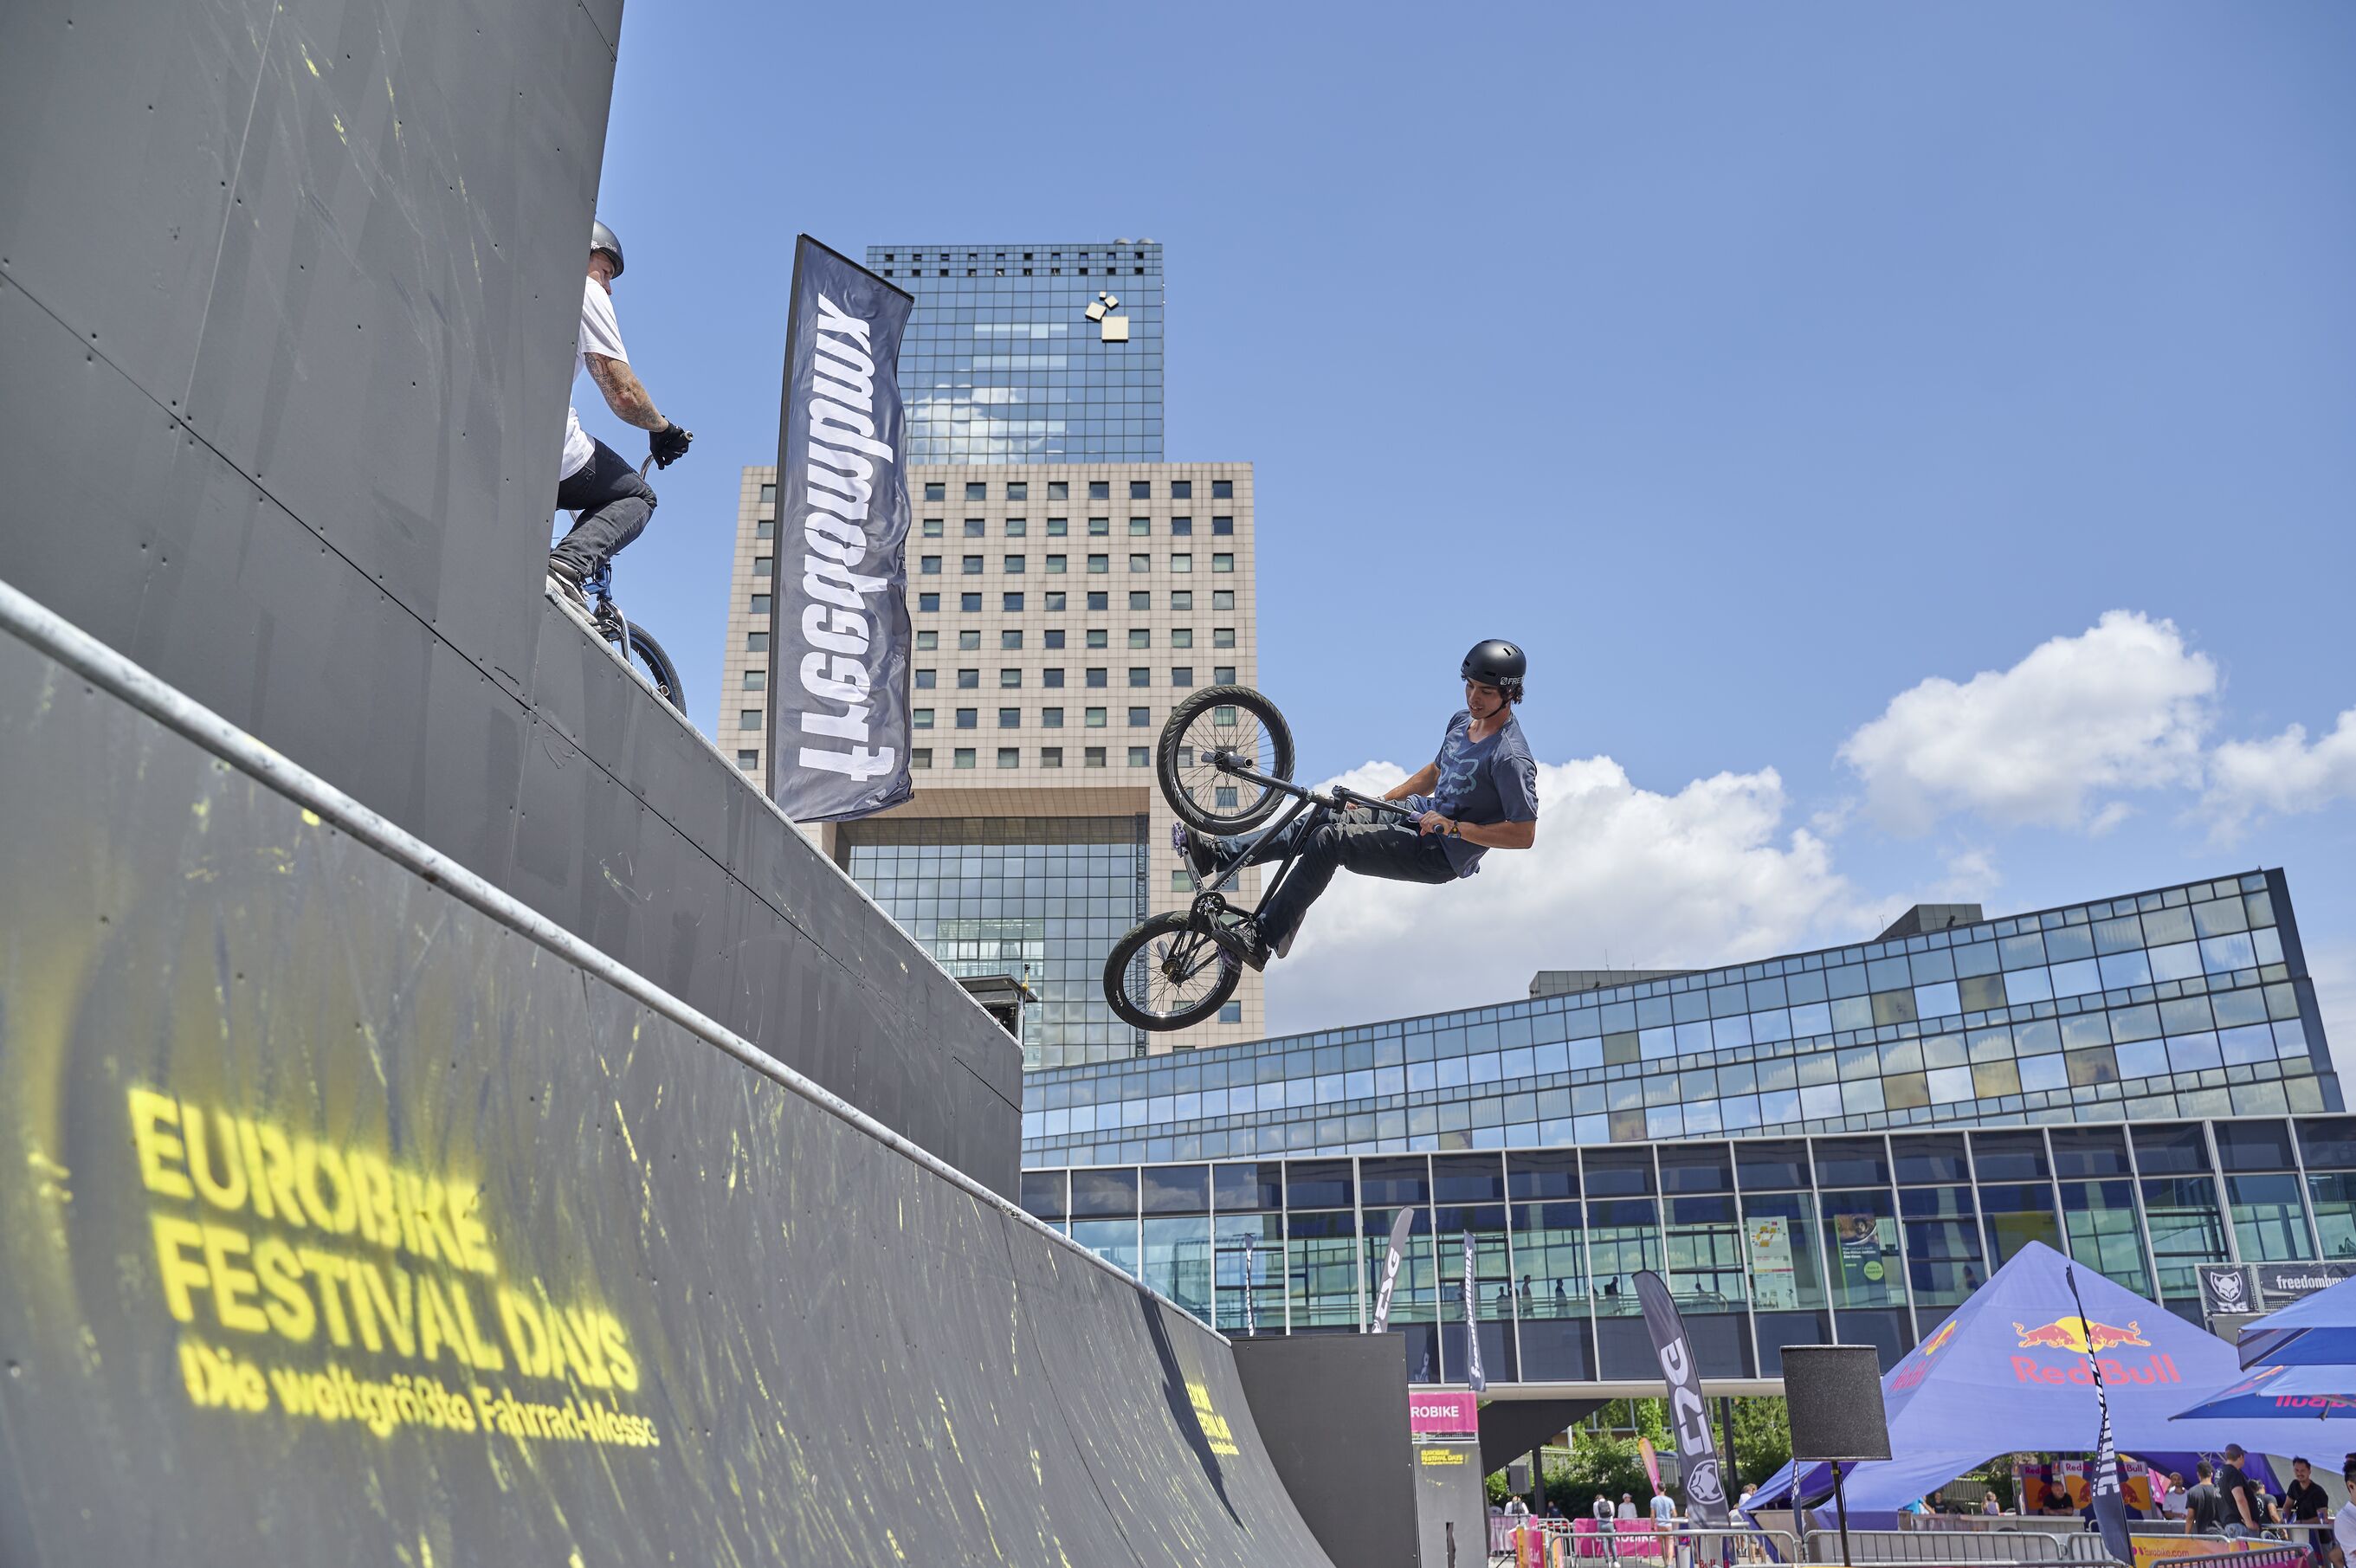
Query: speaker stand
(1840, 1510)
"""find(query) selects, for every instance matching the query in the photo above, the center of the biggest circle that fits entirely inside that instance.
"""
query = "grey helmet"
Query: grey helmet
(1495, 663)
(602, 238)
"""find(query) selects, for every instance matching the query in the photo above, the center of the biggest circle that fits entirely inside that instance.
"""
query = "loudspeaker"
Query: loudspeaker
(1834, 1392)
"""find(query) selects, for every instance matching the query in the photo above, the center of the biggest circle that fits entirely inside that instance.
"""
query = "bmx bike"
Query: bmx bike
(1224, 764)
(634, 642)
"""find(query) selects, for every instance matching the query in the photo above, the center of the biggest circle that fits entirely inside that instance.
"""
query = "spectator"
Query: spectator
(1988, 1503)
(2243, 1513)
(2057, 1496)
(2343, 1523)
(1664, 1508)
(1603, 1509)
(2304, 1502)
(1627, 1507)
(2204, 1505)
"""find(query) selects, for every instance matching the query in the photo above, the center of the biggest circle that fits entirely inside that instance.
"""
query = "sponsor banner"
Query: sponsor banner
(1688, 1416)
(1399, 1229)
(2226, 1289)
(1473, 1372)
(2152, 1550)
(1438, 1456)
(1774, 1281)
(1443, 1413)
(2281, 1284)
(839, 639)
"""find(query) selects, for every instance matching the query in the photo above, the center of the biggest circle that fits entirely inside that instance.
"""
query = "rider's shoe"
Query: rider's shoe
(1201, 855)
(565, 578)
(1239, 934)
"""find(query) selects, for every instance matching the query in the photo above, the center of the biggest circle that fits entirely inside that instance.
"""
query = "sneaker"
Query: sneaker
(1240, 935)
(1200, 854)
(565, 578)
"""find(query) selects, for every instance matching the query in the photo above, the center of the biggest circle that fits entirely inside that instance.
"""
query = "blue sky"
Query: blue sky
(1752, 366)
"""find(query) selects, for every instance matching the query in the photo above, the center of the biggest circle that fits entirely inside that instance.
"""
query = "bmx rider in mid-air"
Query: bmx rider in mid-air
(1480, 793)
(612, 502)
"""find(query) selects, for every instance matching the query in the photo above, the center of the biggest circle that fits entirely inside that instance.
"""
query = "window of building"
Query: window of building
(1011, 638)
(760, 604)
(1099, 489)
(1018, 490)
(1058, 527)
(1183, 599)
(1181, 489)
(1140, 490)
(1140, 527)
(1100, 527)
(1223, 598)
(1182, 562)
(1093, 756)
(1223, 563)
(1094, 718)
(1051, 756)
(920, 718)
(1016, 528)
(925, 679)
(765, 529)
(1098, 637)
(927, 640)
(1223, 489)
(1140, 599)
(1139, 757)
(1231, 1011)
(1052, 676)
(1051, 718)
(756, 680)
(1010, 718)
(932, 528)
(926, 603)
(1182, 637)
(928, 565)
(1223, 637)
(935, 490)
(1055, 564)
(970, 565)
(968, 718)
(1099, 676)
(1182, 525)
(1140, 675)
(964, 758)
(1140, 718)
(970, 603)
(920, 756)
(1223, 525)
(968, 679)
(1012, 604)
(769, 497)
(1180, 880)
(1008, 679)
(1055, 637)
(1055, 605)
(748, 719)
(1224, 675)
(1140, 563)
(969, 637)
(973, 528)
(1014, 565)
(976, 491)
(1182, 676)
(1009, 756)
(1059, 490)
(1140, 637)
(748, 760)
(765, 565)
(1097, 599)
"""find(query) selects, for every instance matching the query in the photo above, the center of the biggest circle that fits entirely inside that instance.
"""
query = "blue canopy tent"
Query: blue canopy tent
(2006, 1374)
(2319, 1330)
(2306, 1393)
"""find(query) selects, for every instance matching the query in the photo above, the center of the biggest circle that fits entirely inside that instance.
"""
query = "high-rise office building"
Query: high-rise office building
(1067, 589)
(1032, 352)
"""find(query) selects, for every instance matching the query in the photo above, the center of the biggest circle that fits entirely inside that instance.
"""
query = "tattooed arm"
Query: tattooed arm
(625, 394)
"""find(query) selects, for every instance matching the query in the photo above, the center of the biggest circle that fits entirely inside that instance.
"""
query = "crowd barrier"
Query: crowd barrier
(1587, 1542)
(1941, 1544)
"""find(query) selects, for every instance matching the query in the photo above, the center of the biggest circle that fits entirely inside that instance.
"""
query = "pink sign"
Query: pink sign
(1444, 1412)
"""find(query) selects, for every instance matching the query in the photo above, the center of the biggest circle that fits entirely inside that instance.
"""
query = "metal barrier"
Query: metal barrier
(2044, 1548)
(1585, 1543)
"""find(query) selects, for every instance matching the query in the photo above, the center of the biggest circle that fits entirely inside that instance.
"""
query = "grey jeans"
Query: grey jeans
(614, 503)
(1370, 844)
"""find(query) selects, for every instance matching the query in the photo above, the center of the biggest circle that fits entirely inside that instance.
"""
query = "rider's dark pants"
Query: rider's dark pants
(1355, 841)
(614, 503)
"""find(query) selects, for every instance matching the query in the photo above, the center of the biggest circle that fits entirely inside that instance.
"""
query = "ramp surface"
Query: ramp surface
(349, 1212)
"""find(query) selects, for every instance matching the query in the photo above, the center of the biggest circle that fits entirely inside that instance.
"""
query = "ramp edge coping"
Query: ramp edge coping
(51, 634)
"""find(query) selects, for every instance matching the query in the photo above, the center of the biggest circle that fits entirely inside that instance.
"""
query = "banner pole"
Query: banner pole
(1840, 1508)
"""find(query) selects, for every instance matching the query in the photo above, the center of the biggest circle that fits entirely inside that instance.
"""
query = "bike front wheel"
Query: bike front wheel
(1231, 723)
(647, 656)
(1166, 975)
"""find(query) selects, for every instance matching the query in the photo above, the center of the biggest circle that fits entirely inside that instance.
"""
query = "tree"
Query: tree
(1762, 1438)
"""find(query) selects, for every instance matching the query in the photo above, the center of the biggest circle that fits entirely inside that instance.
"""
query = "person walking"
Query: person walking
(2204, 1505)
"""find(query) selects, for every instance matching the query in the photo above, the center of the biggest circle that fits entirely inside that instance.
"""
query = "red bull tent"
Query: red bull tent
(2007, 1373)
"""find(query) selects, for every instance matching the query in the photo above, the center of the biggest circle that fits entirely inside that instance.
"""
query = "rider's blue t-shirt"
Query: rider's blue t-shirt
(1494, 780)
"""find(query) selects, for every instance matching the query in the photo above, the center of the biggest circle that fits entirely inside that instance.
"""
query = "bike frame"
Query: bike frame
(1208, 897)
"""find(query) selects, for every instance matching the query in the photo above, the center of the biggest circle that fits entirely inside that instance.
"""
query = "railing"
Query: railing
(1993, 1542)
(1585, 1543)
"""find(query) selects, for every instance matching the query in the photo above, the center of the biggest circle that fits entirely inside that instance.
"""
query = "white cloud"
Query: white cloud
(1619, 873)
(2054, 740)
(2283, 776)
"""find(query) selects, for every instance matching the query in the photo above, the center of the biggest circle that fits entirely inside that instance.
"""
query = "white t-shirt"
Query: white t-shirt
(2343, 1527)
(599, 334)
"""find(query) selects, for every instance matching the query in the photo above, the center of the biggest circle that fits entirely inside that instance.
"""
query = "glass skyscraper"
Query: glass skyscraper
(1031, 352)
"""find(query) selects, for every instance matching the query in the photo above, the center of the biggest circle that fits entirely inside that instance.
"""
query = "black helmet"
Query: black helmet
(1498, 663)
(602, 238)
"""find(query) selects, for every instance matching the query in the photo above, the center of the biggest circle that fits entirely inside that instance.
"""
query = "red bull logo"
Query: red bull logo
(1932, 1346)
(2080, 1338)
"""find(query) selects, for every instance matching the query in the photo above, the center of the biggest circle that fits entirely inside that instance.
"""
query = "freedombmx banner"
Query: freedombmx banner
(838, 644)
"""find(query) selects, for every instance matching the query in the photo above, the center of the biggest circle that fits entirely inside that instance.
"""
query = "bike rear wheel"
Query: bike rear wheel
(1167, 975)
(647, 656)
(1245, 726)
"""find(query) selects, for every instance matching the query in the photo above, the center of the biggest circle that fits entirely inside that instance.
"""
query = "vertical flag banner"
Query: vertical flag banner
(2110, 1503)
(1251, 1324)
(838, 718)
(1473, 1376)
(1688, 1416)
(1399, 1228)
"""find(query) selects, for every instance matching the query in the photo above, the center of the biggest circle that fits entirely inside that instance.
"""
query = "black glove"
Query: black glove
(669, 445)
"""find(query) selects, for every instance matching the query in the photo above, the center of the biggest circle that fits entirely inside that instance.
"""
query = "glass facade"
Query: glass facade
(1012, 354)
(2185, 1002)
(991, 896)
(1858, 1238)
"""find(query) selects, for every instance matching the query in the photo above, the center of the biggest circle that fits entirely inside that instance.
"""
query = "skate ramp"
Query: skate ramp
(349, 1211)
